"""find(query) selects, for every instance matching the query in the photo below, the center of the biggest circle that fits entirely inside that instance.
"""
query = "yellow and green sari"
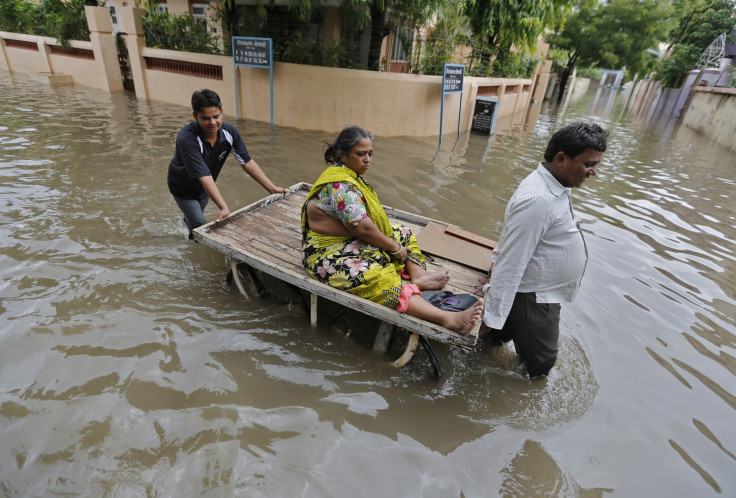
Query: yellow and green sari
(348, 263)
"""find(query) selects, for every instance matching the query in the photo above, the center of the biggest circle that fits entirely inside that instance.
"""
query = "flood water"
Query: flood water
(128, 367)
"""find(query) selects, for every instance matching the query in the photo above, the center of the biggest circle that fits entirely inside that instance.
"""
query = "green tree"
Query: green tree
(450, 30)
(699, 26)
(500, 24)
(613, 35)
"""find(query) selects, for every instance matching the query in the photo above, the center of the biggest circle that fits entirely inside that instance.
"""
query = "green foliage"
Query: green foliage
(594, 73)
(299, 50)
(334, 54)
(700, 25)
(16, 16)
(176, 32)
(66, 20)
(615, 34)
(62, 20)
(501, 24)
(558, 56)
(515, 65)
(508, 65)
(448, 40)
(732, 82)
(450, 31)
(387, 15)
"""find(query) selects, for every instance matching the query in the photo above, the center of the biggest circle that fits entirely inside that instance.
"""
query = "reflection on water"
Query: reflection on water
(129, 367)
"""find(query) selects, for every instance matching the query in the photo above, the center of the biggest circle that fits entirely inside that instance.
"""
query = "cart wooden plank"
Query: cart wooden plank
(267, 236)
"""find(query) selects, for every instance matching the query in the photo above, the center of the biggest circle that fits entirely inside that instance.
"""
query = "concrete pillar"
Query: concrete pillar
(4, 62)
(469, 105)
(541, 81)
(131, 27)
(45, 53)
(619, 77)
(103, 46)
(521, 102)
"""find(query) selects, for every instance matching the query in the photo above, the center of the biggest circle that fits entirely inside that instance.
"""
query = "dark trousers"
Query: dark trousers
(535, 329)
(193, 210)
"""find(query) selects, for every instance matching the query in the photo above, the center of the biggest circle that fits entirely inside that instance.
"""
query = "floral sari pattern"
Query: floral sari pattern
(360, 268)
(349, 263)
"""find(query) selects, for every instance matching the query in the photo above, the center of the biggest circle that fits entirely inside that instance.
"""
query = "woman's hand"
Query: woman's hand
(367, 231)
(401, 254)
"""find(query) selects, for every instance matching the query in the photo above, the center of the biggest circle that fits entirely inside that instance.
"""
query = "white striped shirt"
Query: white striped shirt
(541, 248)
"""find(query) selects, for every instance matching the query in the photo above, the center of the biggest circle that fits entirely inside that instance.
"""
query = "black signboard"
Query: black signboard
(252, 51)
(452, 78)
(484, 115)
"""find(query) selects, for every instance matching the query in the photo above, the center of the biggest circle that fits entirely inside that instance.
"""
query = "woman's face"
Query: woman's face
(359, 157)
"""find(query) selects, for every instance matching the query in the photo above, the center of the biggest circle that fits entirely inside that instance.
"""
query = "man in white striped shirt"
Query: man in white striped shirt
(541, 255)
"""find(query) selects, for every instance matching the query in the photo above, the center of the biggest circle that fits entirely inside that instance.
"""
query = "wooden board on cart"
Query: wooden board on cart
(456, 244)
(267, 236)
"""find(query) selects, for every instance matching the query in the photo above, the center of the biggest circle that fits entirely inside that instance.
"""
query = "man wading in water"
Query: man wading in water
(541, 255)
(201, 149)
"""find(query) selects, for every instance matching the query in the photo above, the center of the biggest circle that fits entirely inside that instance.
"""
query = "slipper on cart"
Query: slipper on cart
(446, 300)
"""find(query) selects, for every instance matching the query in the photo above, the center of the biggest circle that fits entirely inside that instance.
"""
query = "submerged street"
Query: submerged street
(129, 367)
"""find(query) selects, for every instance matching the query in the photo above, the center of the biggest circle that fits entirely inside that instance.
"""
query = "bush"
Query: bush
(176, 32)
(62, 20)
(594, 73)
(65, 20)
(513, 65)
(299, 50)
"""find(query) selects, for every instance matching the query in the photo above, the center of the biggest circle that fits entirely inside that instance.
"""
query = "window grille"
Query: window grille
(184, 67)
(402, 36)
(26, 45)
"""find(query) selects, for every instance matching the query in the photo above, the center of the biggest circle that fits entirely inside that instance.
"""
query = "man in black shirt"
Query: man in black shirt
(201, 149)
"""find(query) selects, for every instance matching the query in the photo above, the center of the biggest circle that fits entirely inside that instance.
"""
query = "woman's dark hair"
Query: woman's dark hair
(576, 138)
(205, 98)
(345, 142)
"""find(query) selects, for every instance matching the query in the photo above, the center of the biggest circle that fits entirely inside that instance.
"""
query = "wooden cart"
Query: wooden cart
(266, 235)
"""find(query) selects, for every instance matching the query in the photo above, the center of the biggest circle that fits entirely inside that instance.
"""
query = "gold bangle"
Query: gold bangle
(397, 252)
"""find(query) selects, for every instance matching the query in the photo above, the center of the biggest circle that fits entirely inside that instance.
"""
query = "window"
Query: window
(113, 17)
(403, 38)
(162, 7)
(199, 13)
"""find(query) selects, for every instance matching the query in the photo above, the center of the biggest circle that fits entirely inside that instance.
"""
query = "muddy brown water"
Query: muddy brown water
(128, 367)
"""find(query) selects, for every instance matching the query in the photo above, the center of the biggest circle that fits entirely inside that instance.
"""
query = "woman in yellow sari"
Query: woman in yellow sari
(349, 243)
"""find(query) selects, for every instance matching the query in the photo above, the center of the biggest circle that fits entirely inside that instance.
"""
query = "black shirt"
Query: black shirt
(195, 158)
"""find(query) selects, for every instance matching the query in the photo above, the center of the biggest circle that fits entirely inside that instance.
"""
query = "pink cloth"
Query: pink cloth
(407, 290)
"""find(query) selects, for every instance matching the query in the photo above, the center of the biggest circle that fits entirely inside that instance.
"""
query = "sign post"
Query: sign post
(252, 52)
(452, 82)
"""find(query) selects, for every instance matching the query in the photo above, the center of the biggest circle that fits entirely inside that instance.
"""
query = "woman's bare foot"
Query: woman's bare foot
(430, 280)
(464, 321)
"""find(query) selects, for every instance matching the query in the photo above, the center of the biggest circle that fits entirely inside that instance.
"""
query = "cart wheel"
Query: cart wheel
(411, 347)
(432, 357)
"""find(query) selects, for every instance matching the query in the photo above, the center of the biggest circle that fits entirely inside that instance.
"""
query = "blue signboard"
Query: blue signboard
(252, 52)
(452, 82)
